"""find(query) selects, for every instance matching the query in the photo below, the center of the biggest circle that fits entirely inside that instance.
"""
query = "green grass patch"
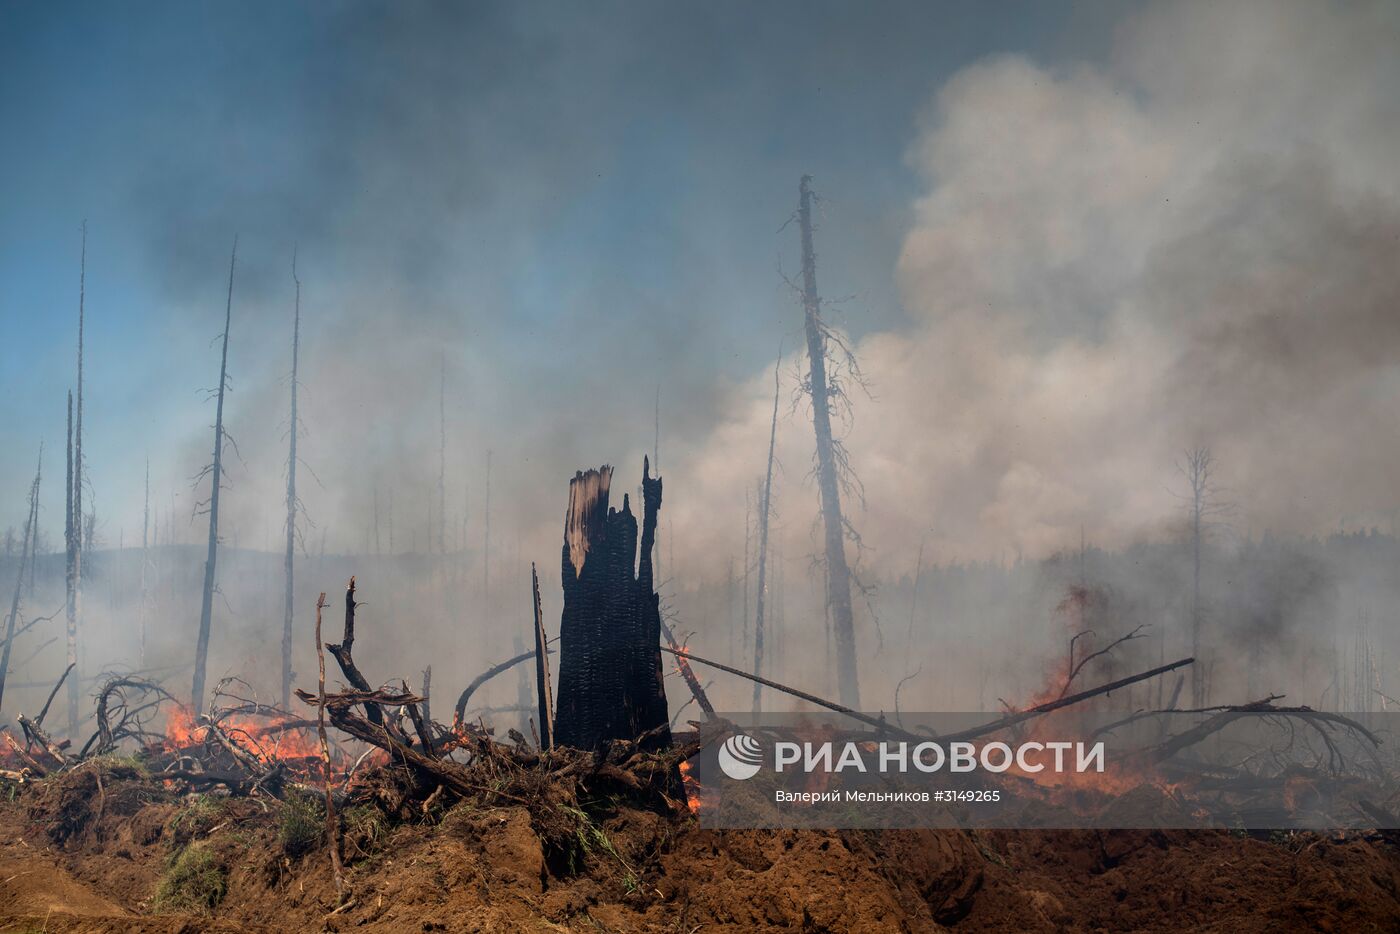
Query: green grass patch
(194, 880)
(302, 825)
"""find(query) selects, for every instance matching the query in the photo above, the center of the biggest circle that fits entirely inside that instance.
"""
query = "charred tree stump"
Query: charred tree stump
(610, 676)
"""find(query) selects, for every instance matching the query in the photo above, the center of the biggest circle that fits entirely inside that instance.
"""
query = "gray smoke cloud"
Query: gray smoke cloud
(1190, 246)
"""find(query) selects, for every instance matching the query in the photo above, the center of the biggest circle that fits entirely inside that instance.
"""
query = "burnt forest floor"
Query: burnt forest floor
(104, 848)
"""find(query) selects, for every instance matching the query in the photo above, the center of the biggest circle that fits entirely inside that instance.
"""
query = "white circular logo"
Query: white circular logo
(740, 757)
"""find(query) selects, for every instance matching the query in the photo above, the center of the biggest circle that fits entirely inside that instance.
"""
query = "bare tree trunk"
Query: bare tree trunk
(145, 557)
(764, 507)
(729, 605)
(486, 539)
(838, 573)
(748, 532)
(1198, 475)
(70, 538)
(30, 531)
(75, 603)
(206, 611)
(289, 560)
(332, 823)
(542, 686)
(442, 458)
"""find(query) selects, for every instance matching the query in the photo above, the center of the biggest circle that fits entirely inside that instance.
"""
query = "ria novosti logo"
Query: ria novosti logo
(740, 756)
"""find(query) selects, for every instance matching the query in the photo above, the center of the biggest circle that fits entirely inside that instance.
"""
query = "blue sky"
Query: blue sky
(487, 174)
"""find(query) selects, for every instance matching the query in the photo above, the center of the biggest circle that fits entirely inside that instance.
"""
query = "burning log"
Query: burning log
(610, 675)
(697, 692)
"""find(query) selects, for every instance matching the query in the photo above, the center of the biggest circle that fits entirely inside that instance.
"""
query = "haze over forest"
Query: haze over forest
(1111, 236)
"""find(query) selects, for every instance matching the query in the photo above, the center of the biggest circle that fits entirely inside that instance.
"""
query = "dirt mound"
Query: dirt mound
(134, 857)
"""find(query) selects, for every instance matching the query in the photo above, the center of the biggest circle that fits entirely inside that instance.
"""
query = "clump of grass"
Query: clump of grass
(194, 880)
(366, 829)
(301, 826)
(197, 818)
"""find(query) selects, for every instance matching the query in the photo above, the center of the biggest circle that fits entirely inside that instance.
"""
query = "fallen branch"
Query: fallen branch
(1041, 709)
(346, 660)
(54, 693)
(461, 708)
(688, 673)
(877, 722)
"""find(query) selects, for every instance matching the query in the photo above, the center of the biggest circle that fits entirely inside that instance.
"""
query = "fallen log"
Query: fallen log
(376, 699)
(35, 734)
(877, 722)
(1224, 716)
(977, 731)
(688, 674)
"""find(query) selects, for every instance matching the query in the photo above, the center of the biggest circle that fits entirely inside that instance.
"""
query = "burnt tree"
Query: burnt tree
(765, 509)
(610, 676)
(215, 471)
(31, 529)
(293, 503)
(830, 459)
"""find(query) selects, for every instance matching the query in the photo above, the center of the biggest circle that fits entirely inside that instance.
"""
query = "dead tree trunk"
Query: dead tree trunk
(289, 568)
(486, 541)
(70, 606)
(145, 558)
(764, 507)
(838, 573)
(442, 459)
(215, 470)
(75, 601)
(610, 677)
(30, 530)
(542, 686)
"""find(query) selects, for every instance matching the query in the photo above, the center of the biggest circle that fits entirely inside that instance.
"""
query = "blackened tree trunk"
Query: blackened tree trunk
(610, 676)
(838, 572)
(543, 690)
(289, 561)
(216, 473)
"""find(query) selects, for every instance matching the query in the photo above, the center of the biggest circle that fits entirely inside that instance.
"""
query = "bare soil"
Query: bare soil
(88, 852)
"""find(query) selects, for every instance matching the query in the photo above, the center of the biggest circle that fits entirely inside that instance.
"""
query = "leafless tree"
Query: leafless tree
(293, 503)
(215, 472)
(823, 390)
(145, 558)
(486, 537)
(30, 528)
(70, 579)
(1206, 509)
(442, 459)
(764, 509)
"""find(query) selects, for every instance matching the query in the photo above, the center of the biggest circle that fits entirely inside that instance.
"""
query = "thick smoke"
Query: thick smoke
(1190, 243)
(1191, 247)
